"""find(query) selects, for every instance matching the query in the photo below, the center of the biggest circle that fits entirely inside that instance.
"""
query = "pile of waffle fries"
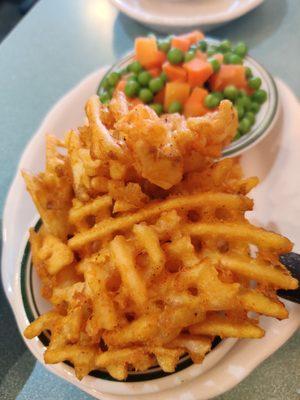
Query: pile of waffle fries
(145, 252)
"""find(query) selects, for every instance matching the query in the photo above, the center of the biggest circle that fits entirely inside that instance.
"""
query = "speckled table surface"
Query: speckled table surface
(55, 46)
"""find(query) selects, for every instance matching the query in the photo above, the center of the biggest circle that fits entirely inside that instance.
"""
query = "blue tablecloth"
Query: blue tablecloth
(55, 46)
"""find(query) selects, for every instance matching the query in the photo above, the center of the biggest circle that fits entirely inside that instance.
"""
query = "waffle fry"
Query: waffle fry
(145, 252)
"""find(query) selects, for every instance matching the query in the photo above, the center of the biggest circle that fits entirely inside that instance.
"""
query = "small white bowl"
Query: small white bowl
(180, 16)
(265, 118)
(225, 366)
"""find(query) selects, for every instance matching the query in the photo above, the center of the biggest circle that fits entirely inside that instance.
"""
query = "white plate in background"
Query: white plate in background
(182, 15)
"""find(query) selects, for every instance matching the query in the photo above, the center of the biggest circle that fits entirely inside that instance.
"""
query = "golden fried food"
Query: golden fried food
(145, 252)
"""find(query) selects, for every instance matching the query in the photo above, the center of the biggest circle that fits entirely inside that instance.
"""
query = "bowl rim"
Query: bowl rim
(183, 21)
(256, 134)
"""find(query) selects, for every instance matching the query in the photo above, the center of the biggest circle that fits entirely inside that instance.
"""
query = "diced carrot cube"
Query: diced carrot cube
(154, 72)
(121, 85)
(146, 51)
(180, 42)
(201, 56)
(198, 71)
(219, 57)
(229, 75)
(134, 102)
(194, 36)
(174, 72)
(160, 96)
(176, 91)
(194, 106)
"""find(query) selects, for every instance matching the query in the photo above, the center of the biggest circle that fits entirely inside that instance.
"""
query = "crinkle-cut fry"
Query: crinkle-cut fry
(219, 325)
(232, 231)
(82, 357)
(118, 371)
(182, 249)
(167, 358)
(214, 294)
(219, 127)
(55, 254)
(149, 241)
(123, 257)
(253, 300)
(104, 313)
(103, 144)
(55, 162)
(247, 184)
(92, 208)
(118, 105)
(53, 215)
(111, 225)
(137, 332)
(116, 361)
(42, 323)
(65, 294)
(73, 322)
(196, 346)
(255, 269)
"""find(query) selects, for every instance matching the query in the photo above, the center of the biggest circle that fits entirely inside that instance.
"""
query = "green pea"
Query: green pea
(215, 64)
(156, 84)
(230, 92)
(104, 97)
(235, 59)
(240, 110)
(227, 58)
(144, 78)
(260, 96)
(237, 135)
(244, 126)
(242, 93)
(219, 95)
(111, 91)
(157, 107)
(202, 45)
(211, 101)
(254, 83)
(250, 116)
(132, 89)
(132, 78)
(175, 56)
(211, 51)
(135, 67)
(146, 95)
(163, 77)
(189, 55)
(248, 72)
(241, 49)
(225, 46)
(255, 107)
(175, 107)
(105, 84)
(245, 101)
(164, 44)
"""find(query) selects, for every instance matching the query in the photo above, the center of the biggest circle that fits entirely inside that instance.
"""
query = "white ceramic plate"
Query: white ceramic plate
(166, 16)
(274, 159)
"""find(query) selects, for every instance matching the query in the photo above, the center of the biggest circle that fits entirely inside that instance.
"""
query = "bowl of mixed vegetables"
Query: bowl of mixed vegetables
(190, 74)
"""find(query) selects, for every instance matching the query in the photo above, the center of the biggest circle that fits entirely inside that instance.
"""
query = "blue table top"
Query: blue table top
(54, 47)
